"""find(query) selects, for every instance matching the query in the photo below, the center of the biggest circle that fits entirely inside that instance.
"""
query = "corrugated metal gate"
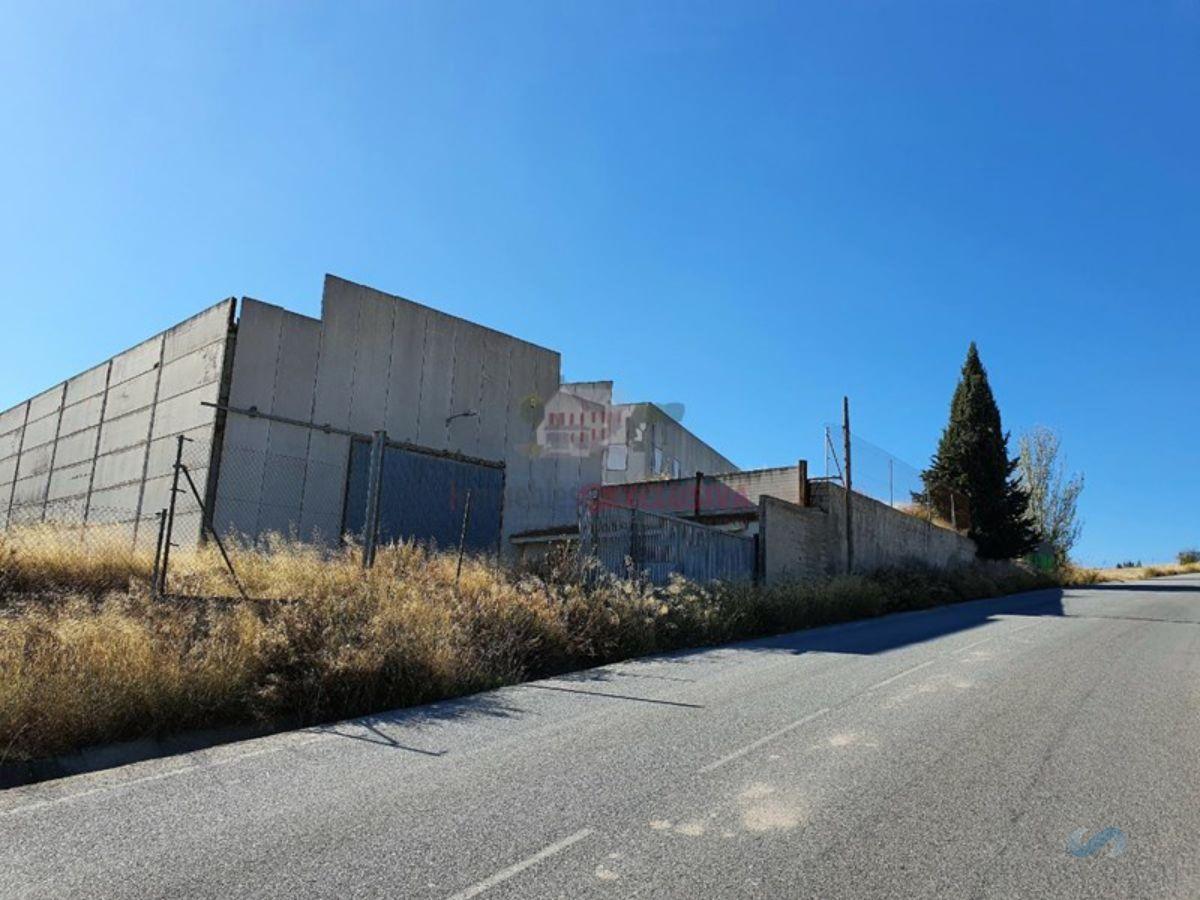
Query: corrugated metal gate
(424, 495)
(658, 546)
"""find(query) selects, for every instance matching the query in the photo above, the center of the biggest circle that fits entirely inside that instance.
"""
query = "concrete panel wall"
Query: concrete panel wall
(265, 465)
(374, 361)
(650, 428)
(97, 449)
(677, 442)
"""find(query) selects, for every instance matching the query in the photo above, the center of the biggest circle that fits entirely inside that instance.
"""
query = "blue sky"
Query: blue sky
(747, 208)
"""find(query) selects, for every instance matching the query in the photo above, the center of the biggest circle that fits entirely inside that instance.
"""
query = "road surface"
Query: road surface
(1045, 745)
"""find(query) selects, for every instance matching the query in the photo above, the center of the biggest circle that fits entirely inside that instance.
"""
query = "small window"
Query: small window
(676, 468)
(616, 458)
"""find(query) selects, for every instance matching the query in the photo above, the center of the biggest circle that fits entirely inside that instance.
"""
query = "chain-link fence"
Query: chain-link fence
(320, 488)
(70, 535)
(876, 473)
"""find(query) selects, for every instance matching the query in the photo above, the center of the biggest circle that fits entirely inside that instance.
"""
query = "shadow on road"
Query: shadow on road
(870, 636)
(371, 729)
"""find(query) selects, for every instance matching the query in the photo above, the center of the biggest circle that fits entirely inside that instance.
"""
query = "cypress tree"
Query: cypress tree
(972, 462)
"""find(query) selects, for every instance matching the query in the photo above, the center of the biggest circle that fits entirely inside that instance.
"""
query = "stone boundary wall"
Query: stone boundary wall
(798, 542)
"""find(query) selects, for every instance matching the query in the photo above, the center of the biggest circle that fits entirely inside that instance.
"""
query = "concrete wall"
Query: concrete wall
(265, 466)
(649, 427)
(887, 537)
(376, 361)
(719, 494)
(794, 542)
(622, 438)
(781, 481)
(798, 542)
(97, 450)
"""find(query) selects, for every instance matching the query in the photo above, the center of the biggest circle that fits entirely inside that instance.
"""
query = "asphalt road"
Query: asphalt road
(950, 753)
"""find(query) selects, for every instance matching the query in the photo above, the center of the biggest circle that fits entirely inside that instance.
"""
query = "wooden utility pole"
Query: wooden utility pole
(849, 485)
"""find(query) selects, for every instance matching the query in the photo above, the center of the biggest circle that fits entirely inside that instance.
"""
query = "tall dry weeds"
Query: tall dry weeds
(88, 656)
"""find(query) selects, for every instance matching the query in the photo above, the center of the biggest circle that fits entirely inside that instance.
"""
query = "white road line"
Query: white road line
(976, 644)
(737, 754)
(880, 684)
(517, 868)
(994, 637)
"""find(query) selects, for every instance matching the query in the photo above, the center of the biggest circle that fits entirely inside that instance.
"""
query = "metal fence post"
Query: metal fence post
(161, 515)
(636, 549)
(204, 517)
(166, 552)
(374, 489)
(849, 486)
(462, 536)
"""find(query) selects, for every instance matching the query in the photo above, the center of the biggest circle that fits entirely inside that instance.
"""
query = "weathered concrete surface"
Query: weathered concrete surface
(731, 492)
(97, 449)
(376, 361)
(800, 542)
(794, 542)
(267, 467)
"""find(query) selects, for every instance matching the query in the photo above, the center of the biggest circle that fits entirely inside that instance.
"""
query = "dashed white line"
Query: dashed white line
(517, 868)
(900, 675)
(994, 637)
(975, 644)
(737, 754)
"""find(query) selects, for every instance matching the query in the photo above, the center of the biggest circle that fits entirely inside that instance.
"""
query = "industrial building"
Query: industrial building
(631, 441)
(279, 412)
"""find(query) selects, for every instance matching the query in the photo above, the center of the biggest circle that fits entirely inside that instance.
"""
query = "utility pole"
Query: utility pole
(849, 485)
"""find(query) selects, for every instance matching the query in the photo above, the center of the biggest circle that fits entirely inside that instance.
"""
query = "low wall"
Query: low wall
(793, 541)
(807, 542)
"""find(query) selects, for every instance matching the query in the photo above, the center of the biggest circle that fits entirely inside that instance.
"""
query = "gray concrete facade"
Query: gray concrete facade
(800, 522)
(97, 450)
(798, 542)
(374, 361)
(271, 402)
(630, 442)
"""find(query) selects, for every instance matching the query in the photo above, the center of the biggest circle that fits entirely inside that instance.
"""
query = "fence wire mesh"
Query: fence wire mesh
(71, 535)
(881, 475)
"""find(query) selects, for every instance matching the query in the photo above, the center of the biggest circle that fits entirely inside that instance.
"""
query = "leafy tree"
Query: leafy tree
(972, 461)
(1053, 497)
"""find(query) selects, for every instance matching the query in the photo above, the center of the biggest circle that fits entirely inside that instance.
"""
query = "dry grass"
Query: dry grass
(1075, 575)
(88, 656)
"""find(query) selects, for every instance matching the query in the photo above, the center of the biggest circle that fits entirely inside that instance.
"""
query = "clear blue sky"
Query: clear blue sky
(749, 209)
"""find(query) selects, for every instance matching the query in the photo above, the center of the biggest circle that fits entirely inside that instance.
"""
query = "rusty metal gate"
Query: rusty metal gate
(630, 541)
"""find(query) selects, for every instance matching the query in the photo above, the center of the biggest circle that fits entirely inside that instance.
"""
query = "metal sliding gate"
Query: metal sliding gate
(435, 499)
(658, 546)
